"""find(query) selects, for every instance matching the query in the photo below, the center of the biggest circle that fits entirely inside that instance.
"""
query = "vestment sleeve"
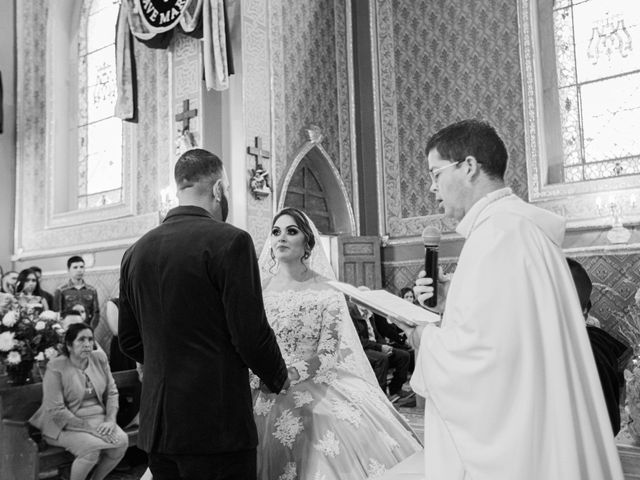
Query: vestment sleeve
(247, 323)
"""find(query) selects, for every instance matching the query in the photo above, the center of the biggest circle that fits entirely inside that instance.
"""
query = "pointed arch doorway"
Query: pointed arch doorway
(313, 184)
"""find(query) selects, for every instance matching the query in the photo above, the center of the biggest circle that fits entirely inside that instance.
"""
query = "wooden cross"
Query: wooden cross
(258, 152)
(186, 115)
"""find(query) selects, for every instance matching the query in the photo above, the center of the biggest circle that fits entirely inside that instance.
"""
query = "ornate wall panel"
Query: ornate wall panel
(33, 236)
(616, 278)
(312, 83)
(257, 105)
(439, 62)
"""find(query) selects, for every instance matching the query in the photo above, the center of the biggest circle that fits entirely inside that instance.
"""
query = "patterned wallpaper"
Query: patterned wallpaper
(442, 61)
(616, 278)
(310, 76)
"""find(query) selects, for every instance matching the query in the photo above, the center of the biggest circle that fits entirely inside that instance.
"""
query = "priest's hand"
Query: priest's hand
(423, 289)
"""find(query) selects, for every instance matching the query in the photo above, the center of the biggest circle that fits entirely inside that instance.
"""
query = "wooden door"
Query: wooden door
(359, 261)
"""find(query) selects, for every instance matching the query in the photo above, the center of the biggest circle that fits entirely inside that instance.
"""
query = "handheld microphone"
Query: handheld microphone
(431, 239)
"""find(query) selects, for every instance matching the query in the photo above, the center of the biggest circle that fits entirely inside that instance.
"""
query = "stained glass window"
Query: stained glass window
(597, 46)
(99, 132)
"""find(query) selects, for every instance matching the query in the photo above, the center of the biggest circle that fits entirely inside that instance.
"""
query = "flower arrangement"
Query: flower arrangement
(27, 334)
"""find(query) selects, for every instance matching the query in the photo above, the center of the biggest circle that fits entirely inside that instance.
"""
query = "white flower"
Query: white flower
(302, 398)
(14, 358)
(287, 428)
(40, 325)
(375, 468)
(289, 472)
(50, 353)
(40, 357)
(49, 316)
(10, 318)
(263, 405)
(344, 411)
(329, 445)
(254, 381)
(6, 341)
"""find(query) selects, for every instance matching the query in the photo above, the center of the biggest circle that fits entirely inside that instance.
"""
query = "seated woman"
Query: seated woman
(334, 422)
(79, 406)
(28, 290)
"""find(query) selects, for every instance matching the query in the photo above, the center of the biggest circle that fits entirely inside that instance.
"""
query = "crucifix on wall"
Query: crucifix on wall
(259, 181)
(185, 140)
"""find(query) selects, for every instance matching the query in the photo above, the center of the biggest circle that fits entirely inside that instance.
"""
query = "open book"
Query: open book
(396, 309)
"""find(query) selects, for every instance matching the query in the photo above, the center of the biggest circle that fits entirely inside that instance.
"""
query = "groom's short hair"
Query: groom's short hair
(195, 166)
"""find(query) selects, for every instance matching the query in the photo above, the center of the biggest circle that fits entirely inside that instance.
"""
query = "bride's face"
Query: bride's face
(287, 240)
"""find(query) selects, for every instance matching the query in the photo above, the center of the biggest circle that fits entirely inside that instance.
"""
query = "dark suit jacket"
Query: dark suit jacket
(363, 331)
(191, 311)
(611, 356)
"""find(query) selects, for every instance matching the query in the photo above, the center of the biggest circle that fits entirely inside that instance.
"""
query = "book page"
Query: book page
(391, 306)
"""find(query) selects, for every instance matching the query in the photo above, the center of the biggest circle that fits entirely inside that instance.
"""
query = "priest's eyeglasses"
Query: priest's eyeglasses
(435, 173)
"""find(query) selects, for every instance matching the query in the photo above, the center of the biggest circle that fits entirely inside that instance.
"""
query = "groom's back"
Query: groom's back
(176, 281)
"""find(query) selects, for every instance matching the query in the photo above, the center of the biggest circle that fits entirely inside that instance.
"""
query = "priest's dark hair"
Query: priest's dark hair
(472, 138)
(72, 333)
(197, 165)
(583, 284)
(303, 224)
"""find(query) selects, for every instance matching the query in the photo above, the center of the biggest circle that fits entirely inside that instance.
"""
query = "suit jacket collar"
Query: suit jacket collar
(187, 210)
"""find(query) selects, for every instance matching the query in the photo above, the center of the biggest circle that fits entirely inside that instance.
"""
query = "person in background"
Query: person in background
(79, 406)
(407, 294)
(382, 356)
(8, 282)
(78, 307)
(76, 290)
(46, 295)
(28, 289)
(610, 354)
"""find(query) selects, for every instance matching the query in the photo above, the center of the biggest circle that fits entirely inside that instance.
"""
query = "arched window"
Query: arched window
(99, 165)
(90, 153)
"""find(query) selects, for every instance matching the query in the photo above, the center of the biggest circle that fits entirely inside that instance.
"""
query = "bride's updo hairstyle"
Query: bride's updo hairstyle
(303, 224)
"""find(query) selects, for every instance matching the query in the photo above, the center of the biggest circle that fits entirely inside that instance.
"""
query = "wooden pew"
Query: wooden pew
(23, 455)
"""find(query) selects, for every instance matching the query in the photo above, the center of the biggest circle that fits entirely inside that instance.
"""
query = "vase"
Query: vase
(19, 374)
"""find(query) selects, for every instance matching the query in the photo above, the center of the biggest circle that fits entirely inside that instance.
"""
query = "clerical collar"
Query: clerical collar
(466, 225)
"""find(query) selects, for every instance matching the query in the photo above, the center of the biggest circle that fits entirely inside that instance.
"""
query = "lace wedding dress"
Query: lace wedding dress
(334, 423)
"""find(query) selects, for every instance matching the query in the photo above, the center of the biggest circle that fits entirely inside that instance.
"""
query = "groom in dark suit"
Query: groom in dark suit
(191, 311)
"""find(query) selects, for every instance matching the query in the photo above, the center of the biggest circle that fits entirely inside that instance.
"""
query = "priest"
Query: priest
(510, 382)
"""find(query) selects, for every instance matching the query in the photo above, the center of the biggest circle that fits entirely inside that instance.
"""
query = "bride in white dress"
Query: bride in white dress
(334, 422)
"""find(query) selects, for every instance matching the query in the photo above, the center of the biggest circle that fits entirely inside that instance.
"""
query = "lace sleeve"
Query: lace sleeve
(321, 366)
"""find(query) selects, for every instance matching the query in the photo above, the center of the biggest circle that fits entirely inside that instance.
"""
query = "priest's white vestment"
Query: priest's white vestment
(511, 386)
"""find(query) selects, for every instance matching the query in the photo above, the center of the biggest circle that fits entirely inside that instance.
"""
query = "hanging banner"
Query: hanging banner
(161, 15)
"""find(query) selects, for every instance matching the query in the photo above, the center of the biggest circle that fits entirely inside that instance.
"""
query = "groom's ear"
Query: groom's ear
(217, 189)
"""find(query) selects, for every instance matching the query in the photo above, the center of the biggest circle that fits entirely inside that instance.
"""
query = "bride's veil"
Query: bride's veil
(350, 355)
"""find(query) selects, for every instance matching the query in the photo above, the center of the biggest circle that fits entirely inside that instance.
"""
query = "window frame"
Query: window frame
(63, 30)
(577, 200)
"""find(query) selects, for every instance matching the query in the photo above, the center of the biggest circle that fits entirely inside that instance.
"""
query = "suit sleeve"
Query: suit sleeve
(250, 332)
(129, 336)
